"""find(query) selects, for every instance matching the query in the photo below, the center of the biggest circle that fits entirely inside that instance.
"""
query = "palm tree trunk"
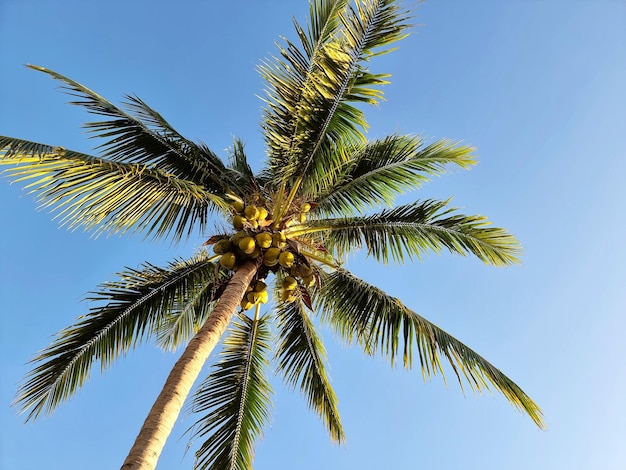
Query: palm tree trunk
(155, 430)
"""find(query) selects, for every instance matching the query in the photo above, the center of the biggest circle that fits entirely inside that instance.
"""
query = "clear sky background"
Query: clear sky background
(539, 87)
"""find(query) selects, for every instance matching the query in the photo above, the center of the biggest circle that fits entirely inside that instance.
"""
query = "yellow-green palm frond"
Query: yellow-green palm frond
(309, 98)
(379, 171)
(378, 322)
(107, 196)
(413, 229)
(234, 400)
(301, 358)
(145, 137)
(245, 179)
(133, 307)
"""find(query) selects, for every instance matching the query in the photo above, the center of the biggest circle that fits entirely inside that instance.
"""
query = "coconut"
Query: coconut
(255, 254)
(289, 283)
(286, 259)
(238, 206)
(270, 258)
(247, 245)
(308, 281)
(279, 239)
(304, 270)
(287, 296)
(251, 212)
(260, 286)
(222, 246)
(237, 237)
(264, 239)
(238, 221)
(228, 260)
(262, 213)
(306, 207)
(263, 297)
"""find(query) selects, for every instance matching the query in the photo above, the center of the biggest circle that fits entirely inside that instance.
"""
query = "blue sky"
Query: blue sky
(536, 86)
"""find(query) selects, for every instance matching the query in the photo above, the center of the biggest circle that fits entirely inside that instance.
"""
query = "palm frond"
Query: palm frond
(324, 19)
(378, 322)
(381, 170)
(410, 230)
(132, 309)
(309, 99)
(107, 196)
(188, 313)
(246, 181)
(235, 398)
(301, 359)
(146, 138)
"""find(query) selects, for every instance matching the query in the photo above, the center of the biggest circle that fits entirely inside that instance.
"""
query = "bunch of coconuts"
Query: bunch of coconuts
(257, 237)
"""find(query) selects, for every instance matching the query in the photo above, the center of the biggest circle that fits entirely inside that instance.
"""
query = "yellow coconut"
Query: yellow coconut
(270, 258)
(289, 283)
(237, 237)
(251, 212)
(228, 260)
(287, 296)
(238, 206)
(308, 281)
(238, 221)
(278, 239)
(262, 213)
(306, 207)
(263, 297)
(264, 239)
(260, 286)
(247, 245)
(286, 259)
(246, 305)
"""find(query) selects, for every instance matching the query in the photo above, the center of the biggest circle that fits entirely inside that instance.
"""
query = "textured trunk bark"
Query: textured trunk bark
(155, 430)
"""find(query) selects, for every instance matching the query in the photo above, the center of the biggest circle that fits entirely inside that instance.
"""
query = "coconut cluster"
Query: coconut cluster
(257, 237)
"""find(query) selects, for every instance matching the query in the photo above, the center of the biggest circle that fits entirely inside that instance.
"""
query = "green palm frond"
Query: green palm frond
(246, 181)
(107, 196)
(133, 308)
(381, 170)
(363, 313)
(286, 77)
(410, 230)
(324, 19)
(309, 98)
(301, 360)
(235, 398)
(188, 313)
(146, 138)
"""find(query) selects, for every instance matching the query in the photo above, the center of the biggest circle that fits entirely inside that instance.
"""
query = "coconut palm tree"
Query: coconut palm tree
(324, 193)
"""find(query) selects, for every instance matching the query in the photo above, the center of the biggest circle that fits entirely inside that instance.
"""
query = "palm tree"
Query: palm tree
(325, 192)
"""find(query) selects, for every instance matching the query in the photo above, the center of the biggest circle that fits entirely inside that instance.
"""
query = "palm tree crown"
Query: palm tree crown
(325, 192)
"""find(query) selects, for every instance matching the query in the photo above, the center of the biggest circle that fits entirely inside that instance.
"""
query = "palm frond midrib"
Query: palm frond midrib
(85, 348)
(315, 144)
(244, 392)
